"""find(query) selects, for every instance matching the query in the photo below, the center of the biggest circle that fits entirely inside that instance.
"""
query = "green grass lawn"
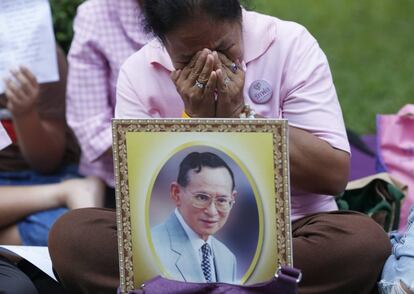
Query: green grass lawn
(370, 48)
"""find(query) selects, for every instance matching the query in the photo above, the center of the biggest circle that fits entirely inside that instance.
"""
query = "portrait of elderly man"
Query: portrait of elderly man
(204, 195)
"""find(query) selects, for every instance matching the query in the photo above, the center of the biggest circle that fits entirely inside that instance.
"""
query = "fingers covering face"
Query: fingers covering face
(211, 84)
(198, 72)
(196, 65)
(205, 74)
(231, 68)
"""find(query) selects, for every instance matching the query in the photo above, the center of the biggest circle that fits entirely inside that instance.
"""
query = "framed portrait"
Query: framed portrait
(202, 200)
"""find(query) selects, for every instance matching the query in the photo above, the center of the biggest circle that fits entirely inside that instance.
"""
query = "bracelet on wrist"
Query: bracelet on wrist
(185, 115)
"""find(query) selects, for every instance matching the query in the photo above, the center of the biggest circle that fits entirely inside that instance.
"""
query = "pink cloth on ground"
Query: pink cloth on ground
(285, 55)
(396, 151)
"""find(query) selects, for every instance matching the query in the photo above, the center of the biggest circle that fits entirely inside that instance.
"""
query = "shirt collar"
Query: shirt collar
(131, 18)
(196, 241)
(259, 32)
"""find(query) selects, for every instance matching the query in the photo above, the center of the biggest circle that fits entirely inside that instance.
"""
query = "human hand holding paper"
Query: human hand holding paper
(22, 92)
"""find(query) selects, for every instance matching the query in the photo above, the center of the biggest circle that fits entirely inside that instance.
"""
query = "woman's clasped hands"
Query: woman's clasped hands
(211, 85)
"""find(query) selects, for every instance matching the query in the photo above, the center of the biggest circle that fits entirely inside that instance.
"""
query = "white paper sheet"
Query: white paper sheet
(26, 38)
(36, 255)
(4, 138)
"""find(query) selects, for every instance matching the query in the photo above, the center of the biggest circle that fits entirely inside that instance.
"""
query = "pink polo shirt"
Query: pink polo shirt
(292, 70)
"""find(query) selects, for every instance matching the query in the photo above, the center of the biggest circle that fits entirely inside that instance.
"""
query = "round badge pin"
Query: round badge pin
(260, 92)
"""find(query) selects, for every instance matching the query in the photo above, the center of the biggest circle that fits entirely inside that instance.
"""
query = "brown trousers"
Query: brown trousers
(337, 252)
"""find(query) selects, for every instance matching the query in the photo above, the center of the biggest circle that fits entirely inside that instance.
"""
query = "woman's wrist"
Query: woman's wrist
(242, 111)
(237, 111)
(184, 114)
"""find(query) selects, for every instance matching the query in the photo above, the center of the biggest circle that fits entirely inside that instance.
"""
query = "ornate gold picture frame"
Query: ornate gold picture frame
(147, 155)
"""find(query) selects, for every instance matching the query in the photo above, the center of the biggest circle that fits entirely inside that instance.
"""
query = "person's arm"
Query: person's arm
(22, 201)
(316, 166)
(41, 140)
(89, 110)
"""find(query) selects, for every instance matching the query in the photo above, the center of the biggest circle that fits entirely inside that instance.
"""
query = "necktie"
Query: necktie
(205, 263)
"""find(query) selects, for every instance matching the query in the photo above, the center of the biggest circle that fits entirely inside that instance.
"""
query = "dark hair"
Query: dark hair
(162, 16)
(195, 161)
